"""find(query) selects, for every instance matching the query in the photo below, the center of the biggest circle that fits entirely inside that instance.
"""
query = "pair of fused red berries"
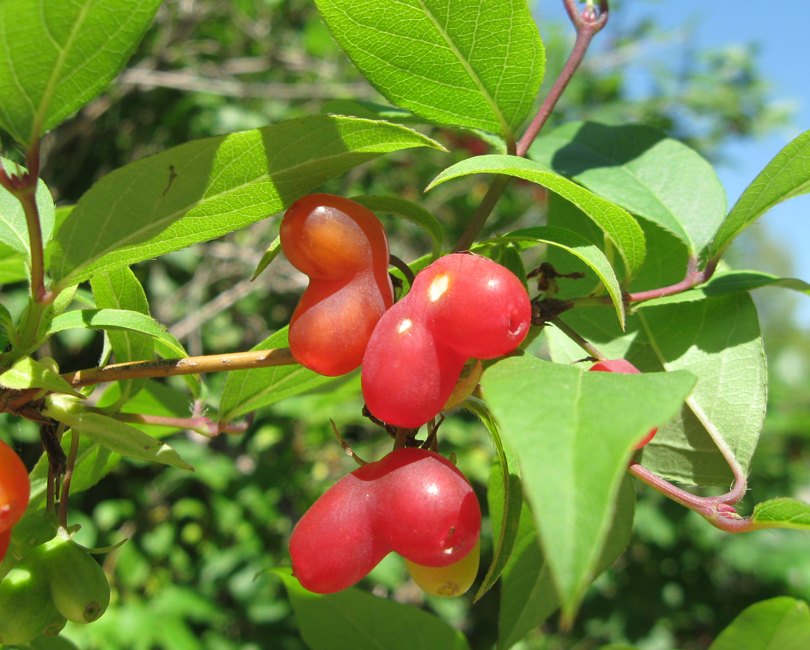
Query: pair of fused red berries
(413, 502)
(460, 307)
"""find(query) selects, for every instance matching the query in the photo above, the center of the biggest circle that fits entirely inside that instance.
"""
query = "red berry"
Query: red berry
(15, 488)
(459, 307)
(343, 249)
(624, 367)
(414, 502)
(5, 539)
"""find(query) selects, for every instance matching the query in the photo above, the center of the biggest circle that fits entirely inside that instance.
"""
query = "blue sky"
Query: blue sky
(780, 31)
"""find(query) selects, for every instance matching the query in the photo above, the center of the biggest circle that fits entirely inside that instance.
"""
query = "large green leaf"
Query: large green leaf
(121, 290)
(622, 229)
(574, 244)
(465, 63)
(775, 624)
(782, 513)
(642, 170)
(527, 591)
(57, 55)
(206, 188)
(355, 620)
(248, 390)
(786, 176)
(718, 340)
(573, 445)
(13, 226)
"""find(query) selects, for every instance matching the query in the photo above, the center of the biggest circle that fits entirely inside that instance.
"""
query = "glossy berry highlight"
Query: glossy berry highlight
(413, 502)
(462, 306)
(342, 247)
(624, 367)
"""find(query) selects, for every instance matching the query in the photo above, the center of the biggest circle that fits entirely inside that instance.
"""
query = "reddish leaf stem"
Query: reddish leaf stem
(588, 24)
(718, 511)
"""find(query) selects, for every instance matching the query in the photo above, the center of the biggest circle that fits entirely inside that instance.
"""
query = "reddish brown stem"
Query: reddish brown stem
(587, 24)
(718, 511)
(202, 425)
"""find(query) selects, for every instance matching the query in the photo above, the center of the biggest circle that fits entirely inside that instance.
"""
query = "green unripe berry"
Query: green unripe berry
(25, 603)
(78, 586)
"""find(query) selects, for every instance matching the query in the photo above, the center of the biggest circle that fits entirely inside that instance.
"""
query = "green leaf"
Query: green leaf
(617, 224)
(737, 281)
(156, 398)
(573, 243)
(718, 340)
(272, 252)
(504, 495)
(464, 63)
(588, 425)
(27, 373)
(248, 390)
(786, 176)
(110, 320)
(409, 211)
(642, 170)
(782, 513)
(57, 55)
(119, 437)
(13, 226)
(121, 290)
(775, 624)
(354, 620)
(206, 188)
(13, 267)
(369, 111)
(527, 589)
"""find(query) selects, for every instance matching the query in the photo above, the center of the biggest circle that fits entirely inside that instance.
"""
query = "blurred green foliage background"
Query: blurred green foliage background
(195, 571)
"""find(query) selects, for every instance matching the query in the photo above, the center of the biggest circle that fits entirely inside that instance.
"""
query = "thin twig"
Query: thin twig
(579, 340)
(185, 366)
(63, 499)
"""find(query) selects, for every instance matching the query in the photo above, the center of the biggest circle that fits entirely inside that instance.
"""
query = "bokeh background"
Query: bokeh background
(728, 78)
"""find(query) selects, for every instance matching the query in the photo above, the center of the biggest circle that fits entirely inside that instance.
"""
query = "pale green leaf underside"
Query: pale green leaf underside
(782, 513)
(573, 243)
(248, 390)
(786, 176)
(715, 338)
(573, 447)
(527, 589)
(203, 189)
(272, 252)
(13, 226)
(642, 170)
(27, 373)
(463, 63)
(777, 624)
(121, 290)
(622, 229)
(122, 438)
(355, 620)
(57, 55)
